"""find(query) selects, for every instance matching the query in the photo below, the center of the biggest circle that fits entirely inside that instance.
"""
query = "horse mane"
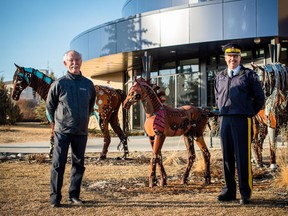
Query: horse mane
(39, 82)
(159, 94)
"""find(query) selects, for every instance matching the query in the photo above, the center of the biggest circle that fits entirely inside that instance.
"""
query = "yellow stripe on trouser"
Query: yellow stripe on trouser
(249, 155)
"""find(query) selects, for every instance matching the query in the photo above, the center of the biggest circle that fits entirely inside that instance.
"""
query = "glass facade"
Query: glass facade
(184, 39)
(195, 22)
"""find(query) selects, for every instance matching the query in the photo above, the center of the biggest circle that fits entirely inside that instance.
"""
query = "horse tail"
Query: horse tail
(125, 112)
(212, 116)
(210, 113)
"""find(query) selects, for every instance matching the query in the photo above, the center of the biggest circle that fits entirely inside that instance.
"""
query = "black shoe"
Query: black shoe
(244, 201)
(226, 197)
(55, 205)
(75, 201)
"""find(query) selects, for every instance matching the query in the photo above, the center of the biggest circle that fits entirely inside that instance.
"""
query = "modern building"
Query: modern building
(178, 43)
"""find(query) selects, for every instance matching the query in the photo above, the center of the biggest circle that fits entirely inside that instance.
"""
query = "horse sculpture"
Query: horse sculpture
(274, 81)
(162, 121)
(108, 101)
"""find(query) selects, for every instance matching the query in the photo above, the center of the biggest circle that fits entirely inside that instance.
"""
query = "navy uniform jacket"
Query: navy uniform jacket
(70, 101)
(241, 95)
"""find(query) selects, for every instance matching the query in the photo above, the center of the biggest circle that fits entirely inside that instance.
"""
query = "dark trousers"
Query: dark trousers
(59, 160)
(236, 134)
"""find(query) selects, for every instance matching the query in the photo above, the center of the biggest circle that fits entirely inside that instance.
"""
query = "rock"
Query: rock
(3, 157)
(20, 156)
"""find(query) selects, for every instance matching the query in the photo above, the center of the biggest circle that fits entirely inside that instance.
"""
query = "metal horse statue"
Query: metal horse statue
(162, 121)
(274, 80)
(108, 101)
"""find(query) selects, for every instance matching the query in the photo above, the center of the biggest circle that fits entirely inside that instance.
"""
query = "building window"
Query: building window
(260, 53)
(154, 74)
(167, 84)
(284, 55)
(246, 57)
(188, 82)
(210, 88)
(187, 89)
(167, 68)
(188, 66)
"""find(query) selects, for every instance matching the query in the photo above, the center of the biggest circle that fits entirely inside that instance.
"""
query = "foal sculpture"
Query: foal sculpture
(162, 121)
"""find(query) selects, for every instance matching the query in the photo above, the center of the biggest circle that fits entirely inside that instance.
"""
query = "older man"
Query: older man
(69, 103)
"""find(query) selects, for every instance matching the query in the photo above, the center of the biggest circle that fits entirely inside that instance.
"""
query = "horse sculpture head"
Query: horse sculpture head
(134, 95)
(34, 78)
(140, 90)
(20, 82)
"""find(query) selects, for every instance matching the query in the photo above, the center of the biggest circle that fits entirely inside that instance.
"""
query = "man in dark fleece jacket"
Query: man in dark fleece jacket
(69, 103)
(239, 96)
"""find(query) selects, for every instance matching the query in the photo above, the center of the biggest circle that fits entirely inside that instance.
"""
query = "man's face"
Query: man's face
(232, 61)
(73, 62)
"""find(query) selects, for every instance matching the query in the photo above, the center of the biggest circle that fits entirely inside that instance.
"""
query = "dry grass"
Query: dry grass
(24, 132)
(118, 187)
(282, 177)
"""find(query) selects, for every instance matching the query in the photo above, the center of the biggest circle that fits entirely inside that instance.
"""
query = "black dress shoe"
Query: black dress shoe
(244, 201)
(75, 201)
(55, 205)
(226, 197)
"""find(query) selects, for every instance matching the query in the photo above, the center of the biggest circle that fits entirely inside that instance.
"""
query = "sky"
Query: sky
(37, 33)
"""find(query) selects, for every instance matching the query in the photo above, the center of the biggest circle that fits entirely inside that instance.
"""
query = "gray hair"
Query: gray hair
(69, 51)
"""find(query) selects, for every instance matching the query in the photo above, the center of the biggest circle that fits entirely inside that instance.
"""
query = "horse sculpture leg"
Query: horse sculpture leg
(107, 139)
(260, 132)
(189, 142)
(255, 141)
(262, 136)
(157, 143)
(206, 155)
(117, 129)
(273, 147)
(152, 175)
(191, 156)
(163, 175)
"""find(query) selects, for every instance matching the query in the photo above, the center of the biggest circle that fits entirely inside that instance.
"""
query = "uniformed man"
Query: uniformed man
(239, 97)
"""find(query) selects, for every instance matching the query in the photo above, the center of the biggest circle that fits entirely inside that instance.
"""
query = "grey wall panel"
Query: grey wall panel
(108, 40)
(81, 45)
(175, 27)
(148, 5)
(202, 2)
(134, 7)
(128, 37)
(179, 2)
(267, 17)
(206, 23)
(141, 32)
(149, 29)
(102, 41)
(94, 45)
(239, 19)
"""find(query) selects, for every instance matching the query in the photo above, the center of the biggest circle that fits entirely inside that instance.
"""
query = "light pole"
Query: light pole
(2, 71)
